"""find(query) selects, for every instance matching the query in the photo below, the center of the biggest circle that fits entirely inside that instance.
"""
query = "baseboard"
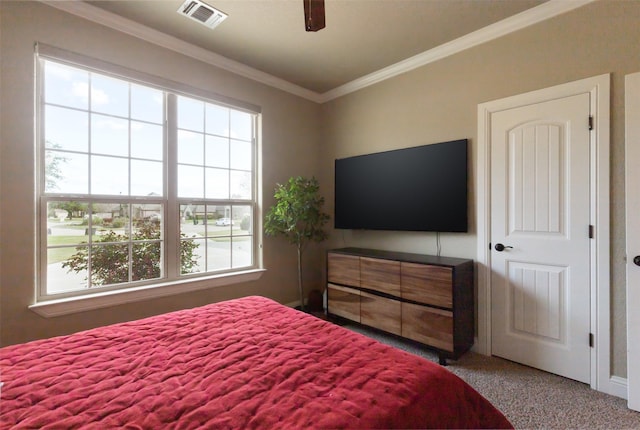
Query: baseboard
(478, 347)
(618, 387)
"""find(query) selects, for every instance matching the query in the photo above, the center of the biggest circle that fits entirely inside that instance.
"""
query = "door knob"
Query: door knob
(500, 247)
(636, 260)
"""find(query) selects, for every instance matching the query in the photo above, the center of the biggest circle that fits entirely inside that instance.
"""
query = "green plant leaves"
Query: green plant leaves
(297, 214)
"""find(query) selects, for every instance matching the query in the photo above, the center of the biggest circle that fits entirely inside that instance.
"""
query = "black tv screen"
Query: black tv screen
(423, 188)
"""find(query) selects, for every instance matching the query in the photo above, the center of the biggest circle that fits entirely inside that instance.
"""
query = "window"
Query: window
(140, 183)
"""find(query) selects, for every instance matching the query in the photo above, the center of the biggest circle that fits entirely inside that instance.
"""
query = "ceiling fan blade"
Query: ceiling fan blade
(313, 15)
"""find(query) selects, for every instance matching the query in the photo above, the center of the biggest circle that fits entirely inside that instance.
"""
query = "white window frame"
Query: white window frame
(172, 282)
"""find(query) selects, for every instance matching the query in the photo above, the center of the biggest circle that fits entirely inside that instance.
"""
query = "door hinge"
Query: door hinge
(590, 122)
(591, 340)
(591, 232)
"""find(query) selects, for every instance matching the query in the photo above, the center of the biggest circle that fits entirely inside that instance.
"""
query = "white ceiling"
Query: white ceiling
(266, 40)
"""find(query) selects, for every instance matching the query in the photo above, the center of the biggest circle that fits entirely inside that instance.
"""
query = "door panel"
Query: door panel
(537, 295)
(540, 212)
(536, 169)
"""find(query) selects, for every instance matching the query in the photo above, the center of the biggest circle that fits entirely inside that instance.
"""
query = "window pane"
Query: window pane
(109, 176)
(106, 222)
(206, 218)
(192, 256)
(65, 211)
(109, 95)
(190, 114)
(189, 256)
(66, 225)
(147, 221)
(110, 221)
(241, 185)
(219, 254)
(66, 86)
(222, 222)
(192, 226)
(190, 148)
(217, 152)
(146, 247)
(241, 125)
(66, 173)
(53, 173)
(109, 264)
(217, 183)
(242, 252)
(109, 135)
(190, 181)
(217, 120)
(146, 178)
(62, 277)
(146, 261)
(240, 155)
(146, 104)
(146, 141)
(191, 221)
(242, 220)
(66, 129)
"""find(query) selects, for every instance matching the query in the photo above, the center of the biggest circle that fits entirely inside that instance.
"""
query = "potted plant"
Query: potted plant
(298, 216)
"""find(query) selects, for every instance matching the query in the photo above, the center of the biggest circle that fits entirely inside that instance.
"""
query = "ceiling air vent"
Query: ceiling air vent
(202, 12)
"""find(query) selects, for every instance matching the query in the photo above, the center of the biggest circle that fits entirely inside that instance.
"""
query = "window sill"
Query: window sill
(71, 305)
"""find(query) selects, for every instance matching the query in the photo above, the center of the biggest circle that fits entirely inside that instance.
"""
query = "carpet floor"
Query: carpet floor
(529, 398)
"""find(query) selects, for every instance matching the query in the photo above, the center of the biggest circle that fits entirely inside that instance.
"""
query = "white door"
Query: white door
(632, 156)
(540, 212)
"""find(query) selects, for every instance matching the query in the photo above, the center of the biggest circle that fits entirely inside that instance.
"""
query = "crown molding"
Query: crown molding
(514, 23)
(148, 34)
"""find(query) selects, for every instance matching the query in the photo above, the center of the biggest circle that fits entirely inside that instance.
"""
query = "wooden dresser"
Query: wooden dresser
(420, 297)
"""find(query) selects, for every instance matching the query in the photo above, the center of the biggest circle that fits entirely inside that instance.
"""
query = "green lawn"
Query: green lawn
(56, 255)
(67, 240)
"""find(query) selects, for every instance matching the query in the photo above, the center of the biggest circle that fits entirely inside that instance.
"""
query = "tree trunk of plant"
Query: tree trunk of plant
(300, 277)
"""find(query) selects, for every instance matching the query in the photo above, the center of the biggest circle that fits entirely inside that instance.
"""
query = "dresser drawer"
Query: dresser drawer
(343, 269)
(431, 285)
(380, 275)
(428, 325)
(343, 302)
(380, 312)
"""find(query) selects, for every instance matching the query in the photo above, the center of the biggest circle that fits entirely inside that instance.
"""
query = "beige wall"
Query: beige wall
(290, 146)
(439, 102)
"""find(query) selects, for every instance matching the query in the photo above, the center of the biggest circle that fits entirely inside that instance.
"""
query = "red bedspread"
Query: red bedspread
(246, 363)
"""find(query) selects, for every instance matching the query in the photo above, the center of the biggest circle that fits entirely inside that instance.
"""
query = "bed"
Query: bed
(249, 363)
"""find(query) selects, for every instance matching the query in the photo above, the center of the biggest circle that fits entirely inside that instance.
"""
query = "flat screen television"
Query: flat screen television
(423, 188)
